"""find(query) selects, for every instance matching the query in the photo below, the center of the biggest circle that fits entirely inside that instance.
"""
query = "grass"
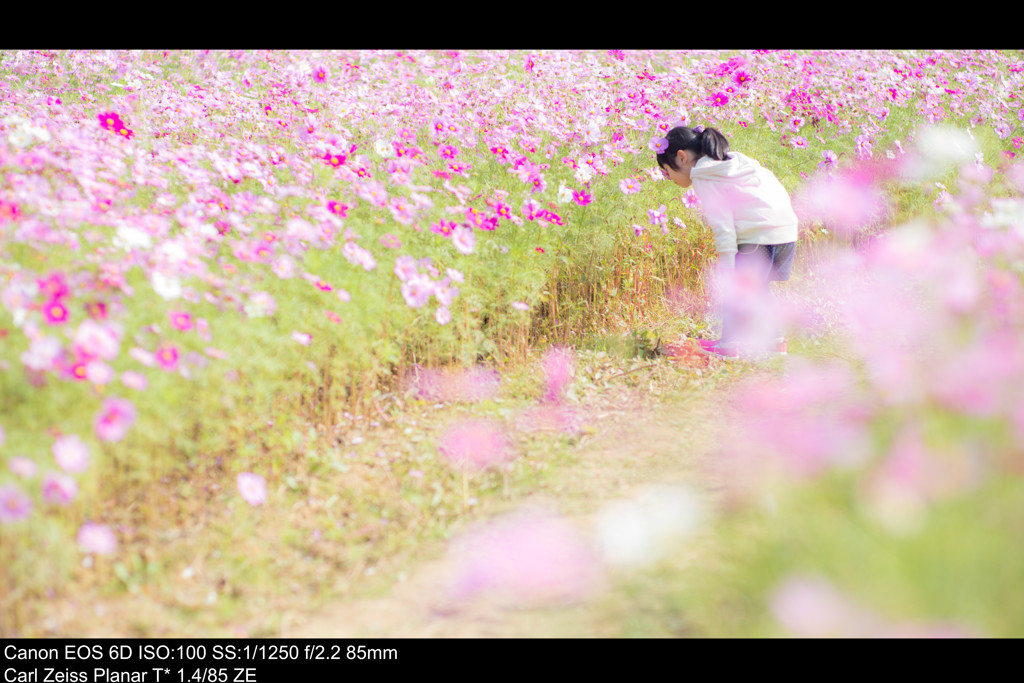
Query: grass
(343, 511)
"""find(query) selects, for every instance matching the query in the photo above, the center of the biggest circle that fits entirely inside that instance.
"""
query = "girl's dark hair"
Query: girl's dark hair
(706, 142)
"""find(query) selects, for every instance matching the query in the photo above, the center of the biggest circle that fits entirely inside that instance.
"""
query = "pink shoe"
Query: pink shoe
(708, 344)
(726, 352)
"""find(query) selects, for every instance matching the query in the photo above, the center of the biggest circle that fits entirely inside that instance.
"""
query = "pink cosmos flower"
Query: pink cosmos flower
(528, 557)
(283, 266)
(115, 417)
(476, 445)
(391, 241)
(520, 306)
(42, 354)
(134, 380)
(320, 74)
(71, 453)
(180, 320)
(443, 316)
(558, 366)
(93, 339)
(405, 267)
(96, 538)
(14, 504)
(302, 338)
(22, 466)
(167, 356)
(719, 99)
(417, 290)
(658, 216)
(252, 488)
(98, 372)
(845, 202)
(811, 608)
(110, 121)
(203, 329)
(657, 144)
(581, 197)
(143, 356)
(9, 211)
(338, 209)
(691, 200)
(59, 488)
(463, 239)
(55, 312)
(629, 186)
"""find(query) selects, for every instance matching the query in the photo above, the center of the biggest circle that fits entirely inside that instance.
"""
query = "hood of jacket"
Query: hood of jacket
(736, 168)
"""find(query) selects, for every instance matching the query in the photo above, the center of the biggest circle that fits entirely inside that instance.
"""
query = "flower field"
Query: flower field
(215, 262)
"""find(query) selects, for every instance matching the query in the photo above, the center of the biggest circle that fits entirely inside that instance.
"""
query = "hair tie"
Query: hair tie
(698, 129)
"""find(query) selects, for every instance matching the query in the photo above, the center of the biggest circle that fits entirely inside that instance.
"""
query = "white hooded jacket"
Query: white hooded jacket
(744, 203)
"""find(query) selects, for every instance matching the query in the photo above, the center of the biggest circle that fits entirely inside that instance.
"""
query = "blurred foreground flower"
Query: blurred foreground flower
(452, 384)
(844, 202)
(643, 528)
(812, 608)
(559, 366)
(97, 538)
(252, 487)
(14, 504)
(476, 445)
(525, 558)
(71, 453)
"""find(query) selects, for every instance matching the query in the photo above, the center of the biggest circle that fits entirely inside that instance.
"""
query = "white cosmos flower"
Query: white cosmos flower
(128, 238)
(564, 194)
(19, 137)
(165, 286)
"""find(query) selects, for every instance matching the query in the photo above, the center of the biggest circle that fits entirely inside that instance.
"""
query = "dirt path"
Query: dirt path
(630, 450)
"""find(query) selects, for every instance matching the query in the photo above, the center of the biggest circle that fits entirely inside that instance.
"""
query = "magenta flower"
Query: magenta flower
(14, 504)
(302, 338)
(252, 488)
(115, 417)
(719, 99)
(96, 538)
(55, 312)
(180, 320)
(71, 453)
(167, 357)
(581, 197)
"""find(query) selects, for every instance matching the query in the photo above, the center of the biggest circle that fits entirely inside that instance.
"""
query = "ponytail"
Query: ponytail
(700, 140)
